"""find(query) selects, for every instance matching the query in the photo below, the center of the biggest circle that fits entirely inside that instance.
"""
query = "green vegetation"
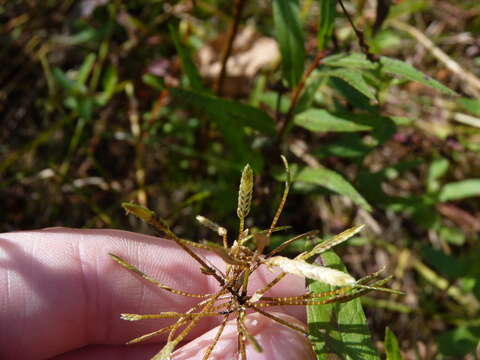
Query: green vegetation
(162, 103)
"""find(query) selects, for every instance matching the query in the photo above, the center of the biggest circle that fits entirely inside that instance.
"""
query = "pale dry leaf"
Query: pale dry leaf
(310, 271)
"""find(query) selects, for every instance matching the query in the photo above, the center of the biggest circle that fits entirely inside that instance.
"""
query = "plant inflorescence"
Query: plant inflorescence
(232, 301)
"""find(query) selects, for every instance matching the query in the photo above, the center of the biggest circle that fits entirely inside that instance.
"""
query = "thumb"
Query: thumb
(276, 340)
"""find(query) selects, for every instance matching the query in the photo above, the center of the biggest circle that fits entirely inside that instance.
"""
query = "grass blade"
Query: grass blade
(289, 35)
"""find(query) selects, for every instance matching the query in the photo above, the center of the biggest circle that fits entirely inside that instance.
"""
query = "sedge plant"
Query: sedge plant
(232, 301)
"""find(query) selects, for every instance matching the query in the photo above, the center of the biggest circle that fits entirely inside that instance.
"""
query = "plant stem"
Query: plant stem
(359, 34)
(296, 93)
(237, 14)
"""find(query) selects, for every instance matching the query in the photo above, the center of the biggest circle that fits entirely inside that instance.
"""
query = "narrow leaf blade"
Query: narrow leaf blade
(392, 349)
(334, 182)
(229, 113)
(288, 29)
(327, 22)
(387, 65)
(407, 71)
(320, 120)
(86, 68)
(187, 62)
(460, 190)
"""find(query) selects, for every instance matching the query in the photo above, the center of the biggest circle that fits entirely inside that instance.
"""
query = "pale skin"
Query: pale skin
(61, 297)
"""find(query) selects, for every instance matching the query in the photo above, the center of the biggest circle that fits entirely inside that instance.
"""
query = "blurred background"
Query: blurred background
(162, 103)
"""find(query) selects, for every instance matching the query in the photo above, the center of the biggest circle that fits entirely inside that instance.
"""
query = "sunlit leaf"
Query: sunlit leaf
(320, 120)
(334, 182)
(437, 169)
(392, 350)
(85, 69)
(387, 65)
(460, 190)
(70, 85)
(339, 330)
(407, 71)
(354, 79)
(109, 83)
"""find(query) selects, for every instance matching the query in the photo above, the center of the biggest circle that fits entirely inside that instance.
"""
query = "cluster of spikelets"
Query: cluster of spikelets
(231, 301)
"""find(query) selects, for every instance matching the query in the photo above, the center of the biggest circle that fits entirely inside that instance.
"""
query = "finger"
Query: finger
(277, 342)
(61, 291)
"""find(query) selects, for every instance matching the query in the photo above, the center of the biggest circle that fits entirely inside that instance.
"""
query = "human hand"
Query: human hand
(61, 296)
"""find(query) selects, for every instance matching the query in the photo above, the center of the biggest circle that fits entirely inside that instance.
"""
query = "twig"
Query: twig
(237, 14)
(472, 80)
(359, 34)
(296, 93)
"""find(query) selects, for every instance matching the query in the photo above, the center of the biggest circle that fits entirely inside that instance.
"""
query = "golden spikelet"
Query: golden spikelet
(245, 194)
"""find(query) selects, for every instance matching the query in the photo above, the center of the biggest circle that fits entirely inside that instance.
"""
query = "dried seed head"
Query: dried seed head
(315, 272)
(245, 192)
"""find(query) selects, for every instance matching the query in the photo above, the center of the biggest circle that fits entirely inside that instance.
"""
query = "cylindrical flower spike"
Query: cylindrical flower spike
(245, 192)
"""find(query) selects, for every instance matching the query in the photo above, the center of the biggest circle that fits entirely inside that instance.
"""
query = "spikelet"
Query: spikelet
(245, 194)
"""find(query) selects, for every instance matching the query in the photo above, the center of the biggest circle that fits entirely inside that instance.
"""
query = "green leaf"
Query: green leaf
(72, 86)
(339, 330)
(354, 78)
(355, 60)
(352, 95)
(334, 182)
(154, 81)
(349, 145)
(437, 169)
(288, 30)
(407, 71)
(310, 92)
(452, 235)
(386, 65)
(85, 107)
(85, 69)
(232, 114)
(240, 148)
(391, 346)
(186, 60)
(460, 190)
(109, 83)
(319, 120)
(471, 105)
(327, 22)
(407, 8)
